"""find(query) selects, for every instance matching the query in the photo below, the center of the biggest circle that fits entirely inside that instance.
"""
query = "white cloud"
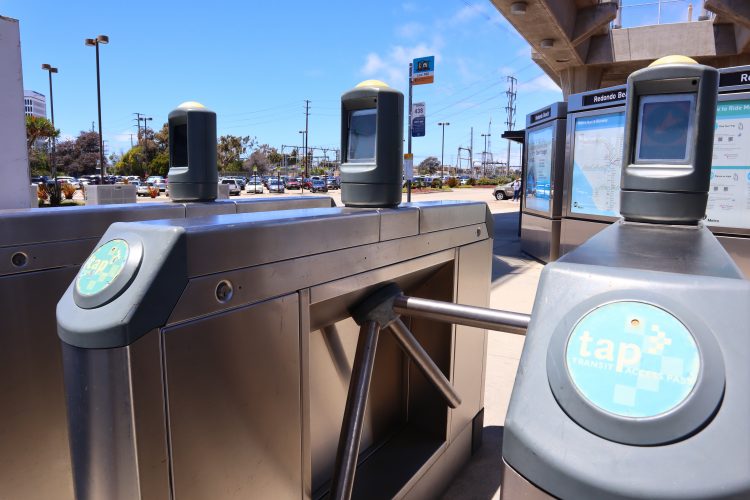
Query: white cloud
(393, 67)
(541, 82)
(410, 30)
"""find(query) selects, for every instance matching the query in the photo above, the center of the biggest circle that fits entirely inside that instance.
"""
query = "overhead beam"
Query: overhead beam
(737, 11)
(742, 38)
(591, 19)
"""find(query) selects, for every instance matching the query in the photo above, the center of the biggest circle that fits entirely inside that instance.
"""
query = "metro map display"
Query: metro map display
(597, 164)
(729, 194)
(539, 170)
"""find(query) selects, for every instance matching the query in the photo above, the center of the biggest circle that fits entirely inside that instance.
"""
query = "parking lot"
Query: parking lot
(473, 194)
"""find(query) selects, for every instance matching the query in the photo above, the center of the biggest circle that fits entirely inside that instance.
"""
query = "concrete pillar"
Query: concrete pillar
(580, 79)
(14, 164)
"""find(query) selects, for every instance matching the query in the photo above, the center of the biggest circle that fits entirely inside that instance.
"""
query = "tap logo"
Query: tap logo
(632, 359)
(102, 267)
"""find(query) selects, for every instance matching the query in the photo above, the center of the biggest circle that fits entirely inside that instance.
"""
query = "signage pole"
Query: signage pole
(408, 181)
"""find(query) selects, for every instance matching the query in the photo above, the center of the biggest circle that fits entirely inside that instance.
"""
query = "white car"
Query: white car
(254, 185)
(158, 181)
(234, 189)
(275, 185)
(143, 188)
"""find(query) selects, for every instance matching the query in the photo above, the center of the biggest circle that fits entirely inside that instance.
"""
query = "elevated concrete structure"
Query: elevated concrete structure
(573, 42)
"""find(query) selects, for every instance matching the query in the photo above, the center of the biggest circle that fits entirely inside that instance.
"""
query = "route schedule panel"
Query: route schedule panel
(729, 193)
(597, 164)
(539, 171)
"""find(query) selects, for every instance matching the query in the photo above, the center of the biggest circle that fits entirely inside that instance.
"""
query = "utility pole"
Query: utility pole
(138, 119)
(484, 156)
(307, 115)
(471, 151)
(510, 112)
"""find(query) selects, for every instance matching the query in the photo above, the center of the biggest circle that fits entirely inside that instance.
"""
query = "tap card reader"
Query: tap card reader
(193, 173)
(372, 129)
(669, 129)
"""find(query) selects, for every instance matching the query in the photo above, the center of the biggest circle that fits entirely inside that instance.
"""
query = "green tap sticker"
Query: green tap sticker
(102, 267)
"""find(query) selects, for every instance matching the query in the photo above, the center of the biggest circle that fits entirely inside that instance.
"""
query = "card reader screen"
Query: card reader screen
(361, 136)
(665, 128)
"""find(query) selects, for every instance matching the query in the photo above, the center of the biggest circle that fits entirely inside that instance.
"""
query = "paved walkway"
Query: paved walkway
(514, 281)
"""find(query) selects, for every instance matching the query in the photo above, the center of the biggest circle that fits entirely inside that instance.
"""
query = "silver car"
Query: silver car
(504, 192)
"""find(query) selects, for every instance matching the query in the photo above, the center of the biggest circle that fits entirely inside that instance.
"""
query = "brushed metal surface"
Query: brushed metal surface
(516, 486)
(739, 250)
(34, 452)
(100, 419)
(233, 390)
(205, 208)
(20, 227)
(472, 288)
(246, 205)
(291, 275)
(41, 256)
(540, 237)
(574, 233)
(399, 223)
(441, 215)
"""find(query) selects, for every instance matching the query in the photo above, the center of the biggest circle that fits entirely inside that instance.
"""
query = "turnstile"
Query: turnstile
(232, 384)
(40, 253)
(541, 199)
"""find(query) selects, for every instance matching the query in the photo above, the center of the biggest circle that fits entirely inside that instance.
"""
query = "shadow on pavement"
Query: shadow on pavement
(480, 477)
(506, 249)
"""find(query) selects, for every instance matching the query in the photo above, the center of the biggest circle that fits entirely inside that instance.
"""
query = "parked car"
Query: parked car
(234, 189)
(318, 185)
(275, 185)
(158, 181)
(292, 183)
(333, 183)
(254, 185)
(504, 192)
(65, 179)
(240, 181)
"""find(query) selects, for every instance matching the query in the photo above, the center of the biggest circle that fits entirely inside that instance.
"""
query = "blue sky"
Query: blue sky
(255, 63)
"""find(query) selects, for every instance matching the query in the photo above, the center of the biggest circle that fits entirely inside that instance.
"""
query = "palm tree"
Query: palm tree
(38, 128)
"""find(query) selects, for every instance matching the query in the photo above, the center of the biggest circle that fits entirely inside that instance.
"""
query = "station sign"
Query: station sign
(418, 119)
(734, 78)
(611, 96)
(423, 70)
(541, 115)
(409, 166)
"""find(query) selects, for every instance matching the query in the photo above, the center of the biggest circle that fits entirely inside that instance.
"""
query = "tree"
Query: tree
(231, 149)
(80, 155)
(262, 160)
(38, 128)
(429, 165)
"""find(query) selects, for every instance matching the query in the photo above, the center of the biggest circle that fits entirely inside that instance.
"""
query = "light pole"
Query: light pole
(304, 146)
(442, 151)
(484, 155)
(94, 42)
(49, 69)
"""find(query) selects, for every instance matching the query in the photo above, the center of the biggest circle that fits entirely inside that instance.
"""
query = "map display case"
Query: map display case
(593, 164)
(541, 199)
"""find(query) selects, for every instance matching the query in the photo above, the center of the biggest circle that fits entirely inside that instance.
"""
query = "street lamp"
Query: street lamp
(94, 42)
(484, 156)
(442, 152)
(49, 69)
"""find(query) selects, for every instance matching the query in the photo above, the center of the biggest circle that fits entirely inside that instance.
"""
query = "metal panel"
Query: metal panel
(43, 256)
(399, 223)
(217, 207)
(233, 389)
(472, 288)
(540, 237)
(557, 169)
(287, 276)
(739, 250)
(20, 227)
(324, 230)
(440, 215)
(33, 434)
(286, 203)
(574, 232)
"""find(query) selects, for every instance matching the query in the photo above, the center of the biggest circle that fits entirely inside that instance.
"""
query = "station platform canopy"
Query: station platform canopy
(581, 46)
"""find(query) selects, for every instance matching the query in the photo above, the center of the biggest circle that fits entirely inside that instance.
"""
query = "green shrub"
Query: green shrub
(452, 182)
(436, 183)
(472, 181)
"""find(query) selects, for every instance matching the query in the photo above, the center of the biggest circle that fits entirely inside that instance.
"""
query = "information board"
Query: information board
(597, 164)
(539, 169)
(729, 194)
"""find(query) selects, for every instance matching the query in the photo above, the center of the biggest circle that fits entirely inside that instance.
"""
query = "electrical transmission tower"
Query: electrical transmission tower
(510, 113)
